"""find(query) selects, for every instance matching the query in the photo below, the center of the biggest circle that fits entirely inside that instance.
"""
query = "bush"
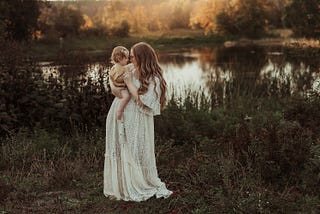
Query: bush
(306, 112)
(246, 19)
(308, 22)
(65, 102)
(21, 86)
(122, 30)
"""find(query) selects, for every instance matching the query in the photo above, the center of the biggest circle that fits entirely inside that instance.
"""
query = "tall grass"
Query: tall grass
(266, 164)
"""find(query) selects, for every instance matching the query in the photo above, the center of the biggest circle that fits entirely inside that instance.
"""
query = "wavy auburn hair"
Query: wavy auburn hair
(149, 68)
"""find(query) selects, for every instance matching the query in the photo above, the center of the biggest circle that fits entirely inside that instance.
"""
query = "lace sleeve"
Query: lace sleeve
(151, 99)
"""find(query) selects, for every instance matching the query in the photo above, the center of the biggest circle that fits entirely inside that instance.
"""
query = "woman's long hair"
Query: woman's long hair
(149, 68)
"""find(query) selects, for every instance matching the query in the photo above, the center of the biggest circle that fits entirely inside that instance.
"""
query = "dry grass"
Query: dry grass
(224, 174)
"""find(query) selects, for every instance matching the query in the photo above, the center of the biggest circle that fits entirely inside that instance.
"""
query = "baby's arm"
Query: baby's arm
(124, 101)
(132, 88)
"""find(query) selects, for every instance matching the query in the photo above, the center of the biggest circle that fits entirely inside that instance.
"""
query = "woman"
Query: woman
(130, 171)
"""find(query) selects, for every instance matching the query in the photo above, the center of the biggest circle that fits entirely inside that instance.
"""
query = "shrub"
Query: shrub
(308, 22)
(246, 19)
(21, 86)
(67, 102)
(122, 30)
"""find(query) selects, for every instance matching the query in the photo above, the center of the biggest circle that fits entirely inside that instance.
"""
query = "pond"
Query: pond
(220, 73)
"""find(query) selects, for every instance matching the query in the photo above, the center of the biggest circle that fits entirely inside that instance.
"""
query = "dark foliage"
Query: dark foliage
(122, 30)
(247, 20)
(303, 17)
(68, 21)
(65, 102)
(19, 18)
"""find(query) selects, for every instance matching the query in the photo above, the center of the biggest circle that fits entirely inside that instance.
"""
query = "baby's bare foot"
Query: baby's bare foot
(112, 197)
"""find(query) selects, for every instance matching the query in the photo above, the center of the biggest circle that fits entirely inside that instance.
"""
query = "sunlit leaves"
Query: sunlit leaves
(148, 16)
(87, 22)
(139, 18)
(204, 14)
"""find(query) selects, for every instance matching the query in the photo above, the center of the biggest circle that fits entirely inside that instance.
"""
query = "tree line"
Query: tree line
(25, 20)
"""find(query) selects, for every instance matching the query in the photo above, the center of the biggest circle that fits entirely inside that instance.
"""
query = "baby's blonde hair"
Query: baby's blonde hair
(119, 53)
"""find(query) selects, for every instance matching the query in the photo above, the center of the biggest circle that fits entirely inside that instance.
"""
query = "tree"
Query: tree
(48, 12)
(68, 21)
(19, 18)
(122, 30)
(275, 11)
(204, 14)
(244, 18)
(180, 14)
(3, 19)
(303, 17)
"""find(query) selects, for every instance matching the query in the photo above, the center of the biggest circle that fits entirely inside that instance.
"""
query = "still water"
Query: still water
(222, 73)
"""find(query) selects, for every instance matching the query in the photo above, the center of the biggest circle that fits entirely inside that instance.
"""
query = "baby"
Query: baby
(119, 59)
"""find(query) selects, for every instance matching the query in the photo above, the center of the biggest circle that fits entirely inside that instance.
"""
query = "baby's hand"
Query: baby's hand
(119, 115)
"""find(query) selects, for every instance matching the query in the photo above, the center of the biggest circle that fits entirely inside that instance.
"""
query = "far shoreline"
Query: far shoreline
(286, 42)
(48, 49)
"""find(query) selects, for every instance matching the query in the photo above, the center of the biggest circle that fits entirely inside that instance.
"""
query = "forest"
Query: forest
(32, 19)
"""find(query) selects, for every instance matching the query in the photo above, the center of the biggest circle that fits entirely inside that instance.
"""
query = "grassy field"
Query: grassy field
(218, 163)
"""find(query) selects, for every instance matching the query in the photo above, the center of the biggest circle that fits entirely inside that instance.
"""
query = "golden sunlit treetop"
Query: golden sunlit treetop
(145, 16)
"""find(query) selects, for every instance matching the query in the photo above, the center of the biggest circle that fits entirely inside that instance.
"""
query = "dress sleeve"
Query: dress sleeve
(151, 99)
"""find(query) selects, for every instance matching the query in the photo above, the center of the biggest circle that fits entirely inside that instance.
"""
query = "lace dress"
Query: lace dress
(130, 171)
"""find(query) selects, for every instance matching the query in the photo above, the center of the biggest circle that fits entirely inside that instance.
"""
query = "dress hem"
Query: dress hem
(156, 193)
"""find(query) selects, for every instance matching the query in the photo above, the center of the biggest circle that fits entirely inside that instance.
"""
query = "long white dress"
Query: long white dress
(130, 171)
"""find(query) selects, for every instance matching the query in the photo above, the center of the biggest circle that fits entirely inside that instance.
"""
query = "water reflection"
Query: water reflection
(217, 73)
(224, 73)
